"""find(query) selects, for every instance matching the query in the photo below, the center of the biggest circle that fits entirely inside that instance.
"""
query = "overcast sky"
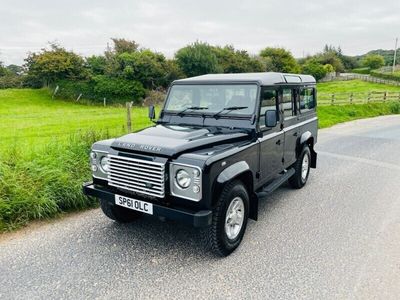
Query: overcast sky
(303, 27)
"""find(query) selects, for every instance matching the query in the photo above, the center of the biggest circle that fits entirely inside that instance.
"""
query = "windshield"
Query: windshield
(212, 99)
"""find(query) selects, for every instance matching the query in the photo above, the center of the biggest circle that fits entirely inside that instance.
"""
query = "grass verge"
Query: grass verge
(43, 183)
(331, 115)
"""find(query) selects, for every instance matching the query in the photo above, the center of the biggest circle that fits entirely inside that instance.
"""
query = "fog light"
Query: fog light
(196, 189)
(94, 168)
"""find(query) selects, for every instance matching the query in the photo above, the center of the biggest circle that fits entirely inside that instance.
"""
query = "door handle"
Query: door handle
(278, 142)
(295, 134)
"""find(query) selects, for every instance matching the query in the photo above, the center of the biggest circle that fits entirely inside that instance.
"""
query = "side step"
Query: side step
(268, 189)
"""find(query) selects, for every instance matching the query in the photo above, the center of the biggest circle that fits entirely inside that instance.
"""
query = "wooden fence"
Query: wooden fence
(357, 98)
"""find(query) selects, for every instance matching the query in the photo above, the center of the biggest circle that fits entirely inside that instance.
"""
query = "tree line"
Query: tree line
(126, 71)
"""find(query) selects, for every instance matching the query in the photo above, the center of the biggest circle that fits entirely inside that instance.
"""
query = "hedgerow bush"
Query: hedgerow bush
(45, 182)
(115, 90)
(388, 76)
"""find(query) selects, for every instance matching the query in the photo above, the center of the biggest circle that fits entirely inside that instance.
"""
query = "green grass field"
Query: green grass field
(354, 86)
(31, 118)
(45, 145)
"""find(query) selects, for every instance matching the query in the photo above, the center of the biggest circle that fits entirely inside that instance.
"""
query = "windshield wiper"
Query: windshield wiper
(191, 108)
(228, 109)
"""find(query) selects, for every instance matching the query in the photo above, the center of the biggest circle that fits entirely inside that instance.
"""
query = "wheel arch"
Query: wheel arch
(242, 172)
(307, 138)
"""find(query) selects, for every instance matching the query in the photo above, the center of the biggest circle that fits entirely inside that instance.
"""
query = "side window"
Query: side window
(307, 99)
(287, 103)
(268, 102)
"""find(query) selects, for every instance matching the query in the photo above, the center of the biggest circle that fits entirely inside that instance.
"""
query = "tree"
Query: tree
(314, 68)
(197, 59)
(124, 46)
(3, 71)
(96, 64)
(55, 64)
(15, 70)
(279, 60)
(237, 61)
(373, 61)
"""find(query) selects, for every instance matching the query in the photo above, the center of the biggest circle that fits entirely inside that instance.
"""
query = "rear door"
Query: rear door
(290, 124)
(271, 139)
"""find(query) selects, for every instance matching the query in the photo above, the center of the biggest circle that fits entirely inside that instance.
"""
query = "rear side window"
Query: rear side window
(268, 102)
(307, 99)
(287, 103)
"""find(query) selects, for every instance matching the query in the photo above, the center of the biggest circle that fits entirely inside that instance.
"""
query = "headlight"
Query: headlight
(183, 179)
(105, 164)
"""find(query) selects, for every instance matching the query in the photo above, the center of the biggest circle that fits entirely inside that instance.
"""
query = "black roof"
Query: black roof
(264, 78)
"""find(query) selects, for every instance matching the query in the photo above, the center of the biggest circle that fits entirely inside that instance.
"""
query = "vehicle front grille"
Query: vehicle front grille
(136, 175)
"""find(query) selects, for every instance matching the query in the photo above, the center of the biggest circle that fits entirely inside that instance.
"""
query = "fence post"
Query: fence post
(104, 102)
(333, 99)
(351, 98)
(55, 91)
(128, 116)
(79, 97)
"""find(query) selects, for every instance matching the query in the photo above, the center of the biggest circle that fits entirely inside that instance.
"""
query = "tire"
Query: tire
(222, 237)
(302, 169)
(118, 214)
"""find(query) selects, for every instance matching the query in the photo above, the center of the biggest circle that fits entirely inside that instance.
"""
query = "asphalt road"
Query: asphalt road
(337, 238)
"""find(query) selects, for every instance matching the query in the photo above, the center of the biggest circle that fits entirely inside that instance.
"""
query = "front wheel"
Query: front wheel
(302, 169)
(229, 220)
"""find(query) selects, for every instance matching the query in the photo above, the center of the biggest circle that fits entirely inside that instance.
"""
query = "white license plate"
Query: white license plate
(134, 204)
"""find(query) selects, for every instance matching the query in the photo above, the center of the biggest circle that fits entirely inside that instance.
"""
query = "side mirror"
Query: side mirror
(270, 118)
(152, 112)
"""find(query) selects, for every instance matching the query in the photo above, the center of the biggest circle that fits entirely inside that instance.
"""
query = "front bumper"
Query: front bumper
(196, 219)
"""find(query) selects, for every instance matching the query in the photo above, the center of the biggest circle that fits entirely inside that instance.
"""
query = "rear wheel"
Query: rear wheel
(117, 213)
(302, 169)
(229, 220)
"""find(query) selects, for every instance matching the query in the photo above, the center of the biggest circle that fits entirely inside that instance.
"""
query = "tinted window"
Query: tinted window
(214, 97)
(307, 99)
(287, 103)
(268, 102)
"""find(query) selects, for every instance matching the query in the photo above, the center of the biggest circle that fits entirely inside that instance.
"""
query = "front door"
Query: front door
(271, 139)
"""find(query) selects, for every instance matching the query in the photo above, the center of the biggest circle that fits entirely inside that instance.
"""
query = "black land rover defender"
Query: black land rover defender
(222, 143)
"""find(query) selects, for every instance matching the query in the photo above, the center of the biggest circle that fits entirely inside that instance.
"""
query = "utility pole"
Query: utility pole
(394, 56)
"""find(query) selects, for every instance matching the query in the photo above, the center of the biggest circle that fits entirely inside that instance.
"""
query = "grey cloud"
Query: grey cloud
(165, 26)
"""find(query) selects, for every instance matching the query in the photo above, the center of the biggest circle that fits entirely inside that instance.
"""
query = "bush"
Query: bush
(154, 98)
(373, 61)
(42, 184)
(115, 90)
(197, 59)
(388, 76)
(279, 60)
(11, 81)
(394, 107)
(314, 68)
